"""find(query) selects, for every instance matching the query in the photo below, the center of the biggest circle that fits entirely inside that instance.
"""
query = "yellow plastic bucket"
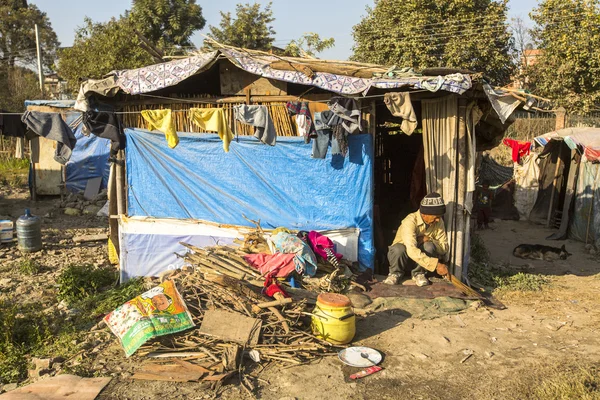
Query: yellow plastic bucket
(333, 319)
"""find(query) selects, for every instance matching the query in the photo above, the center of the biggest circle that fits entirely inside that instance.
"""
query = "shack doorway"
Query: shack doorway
(399, 178)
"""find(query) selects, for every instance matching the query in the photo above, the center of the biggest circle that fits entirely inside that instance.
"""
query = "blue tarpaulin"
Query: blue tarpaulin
(88, 160)
(280, 185)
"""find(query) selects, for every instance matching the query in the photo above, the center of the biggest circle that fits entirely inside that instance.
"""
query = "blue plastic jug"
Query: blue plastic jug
(29, 232)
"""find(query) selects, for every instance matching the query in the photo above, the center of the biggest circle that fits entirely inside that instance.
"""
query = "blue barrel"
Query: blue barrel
(29, 232)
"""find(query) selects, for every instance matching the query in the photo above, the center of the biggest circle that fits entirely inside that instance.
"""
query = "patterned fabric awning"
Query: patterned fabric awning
(167, 74)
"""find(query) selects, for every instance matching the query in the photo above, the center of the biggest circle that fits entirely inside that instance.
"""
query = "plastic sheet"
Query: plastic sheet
(280, 185)
(88, 160)
(585, 222)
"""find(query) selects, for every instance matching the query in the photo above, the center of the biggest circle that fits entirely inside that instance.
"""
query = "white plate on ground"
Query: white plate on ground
(352, 356)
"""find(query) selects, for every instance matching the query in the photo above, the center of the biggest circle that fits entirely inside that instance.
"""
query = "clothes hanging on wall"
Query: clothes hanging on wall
(257, 116)
(323, 139)
(519, 148)
(105, 125)
(400, 105)
(304, 122)
(345, 118)
(213, 119)
(347, 109)
(162, 120)
(53, 127)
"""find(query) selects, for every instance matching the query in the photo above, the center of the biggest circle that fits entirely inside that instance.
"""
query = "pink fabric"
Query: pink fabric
(591, 154)
(321, 242)
(280, 263)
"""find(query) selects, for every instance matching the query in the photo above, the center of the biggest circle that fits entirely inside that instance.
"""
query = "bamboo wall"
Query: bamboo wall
(284, 123)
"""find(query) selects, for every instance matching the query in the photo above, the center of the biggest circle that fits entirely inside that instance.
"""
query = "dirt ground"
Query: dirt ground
(481, 353)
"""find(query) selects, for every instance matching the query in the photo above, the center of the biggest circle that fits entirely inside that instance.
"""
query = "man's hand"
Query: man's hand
(442, 270)
(423, 239)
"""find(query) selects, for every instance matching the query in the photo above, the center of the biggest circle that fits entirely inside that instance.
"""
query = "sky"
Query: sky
(332, 18)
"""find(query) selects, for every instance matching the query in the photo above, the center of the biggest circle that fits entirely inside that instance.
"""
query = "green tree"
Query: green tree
(167, 22)
(17, 84)
(99, 48)
(568, 69)
(17, 34)
(308, 45)
(429, 33)
(250, 28)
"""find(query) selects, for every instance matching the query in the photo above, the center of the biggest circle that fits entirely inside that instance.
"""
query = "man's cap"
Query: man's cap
(433, 204)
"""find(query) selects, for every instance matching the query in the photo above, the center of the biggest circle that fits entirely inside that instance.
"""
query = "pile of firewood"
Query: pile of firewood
(285, 335)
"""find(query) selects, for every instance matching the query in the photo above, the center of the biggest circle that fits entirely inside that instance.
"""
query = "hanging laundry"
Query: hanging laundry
(519, 149)
(105, 125)
(324, 132)
(257, 116)
(11, 125)
(162, 120)
(213, 119)
(347, 109)
(51, 126)
(400, 105)
(304, 122)
(339, 136)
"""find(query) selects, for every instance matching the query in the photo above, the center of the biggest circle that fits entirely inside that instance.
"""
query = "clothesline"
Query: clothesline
(196, 101)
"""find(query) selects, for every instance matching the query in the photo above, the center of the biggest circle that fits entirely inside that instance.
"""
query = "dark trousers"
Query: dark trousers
(400, 262)
(483, 216)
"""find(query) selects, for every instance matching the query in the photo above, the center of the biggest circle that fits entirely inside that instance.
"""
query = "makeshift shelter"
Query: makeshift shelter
(197, 193)
(89, 159)
(568, 184)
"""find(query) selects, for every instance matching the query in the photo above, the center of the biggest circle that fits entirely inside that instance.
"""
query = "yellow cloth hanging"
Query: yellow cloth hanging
(213, 119)
(161, 120)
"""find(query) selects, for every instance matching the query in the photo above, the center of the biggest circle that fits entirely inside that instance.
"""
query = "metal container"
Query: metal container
(6, 231)
(29, 232)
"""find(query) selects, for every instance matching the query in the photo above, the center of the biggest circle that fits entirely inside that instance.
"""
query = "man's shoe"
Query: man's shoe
(392, 279)
(421, 280)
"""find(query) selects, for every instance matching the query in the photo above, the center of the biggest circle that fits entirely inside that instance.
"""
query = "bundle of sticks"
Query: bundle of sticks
(225, 260)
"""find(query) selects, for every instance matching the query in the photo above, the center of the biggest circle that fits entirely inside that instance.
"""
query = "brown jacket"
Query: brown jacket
(413, 227)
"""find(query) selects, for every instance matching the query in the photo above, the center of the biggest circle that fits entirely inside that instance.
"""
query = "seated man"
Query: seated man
(420, 243)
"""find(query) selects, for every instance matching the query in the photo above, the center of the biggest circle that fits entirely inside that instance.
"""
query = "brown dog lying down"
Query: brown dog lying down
(541, 252)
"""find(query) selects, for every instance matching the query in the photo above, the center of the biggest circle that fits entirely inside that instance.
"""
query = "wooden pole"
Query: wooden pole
(461, 182)
(39, 60)
(33, 179)
(120, 187)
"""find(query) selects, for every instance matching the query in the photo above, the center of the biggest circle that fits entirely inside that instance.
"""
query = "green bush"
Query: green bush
(78, 282)
(105, 302)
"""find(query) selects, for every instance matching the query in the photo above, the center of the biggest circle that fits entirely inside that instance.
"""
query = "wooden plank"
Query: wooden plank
(59, 388)
(231, 327)
(90, 238)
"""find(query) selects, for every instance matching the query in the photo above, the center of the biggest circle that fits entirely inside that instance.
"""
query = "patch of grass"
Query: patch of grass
(13, 164)
(78, 282)
(572, 383)
(30, 330)
(13, 171)
(23, 329)
(104, 302)
(521, 282)
(29, 266)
